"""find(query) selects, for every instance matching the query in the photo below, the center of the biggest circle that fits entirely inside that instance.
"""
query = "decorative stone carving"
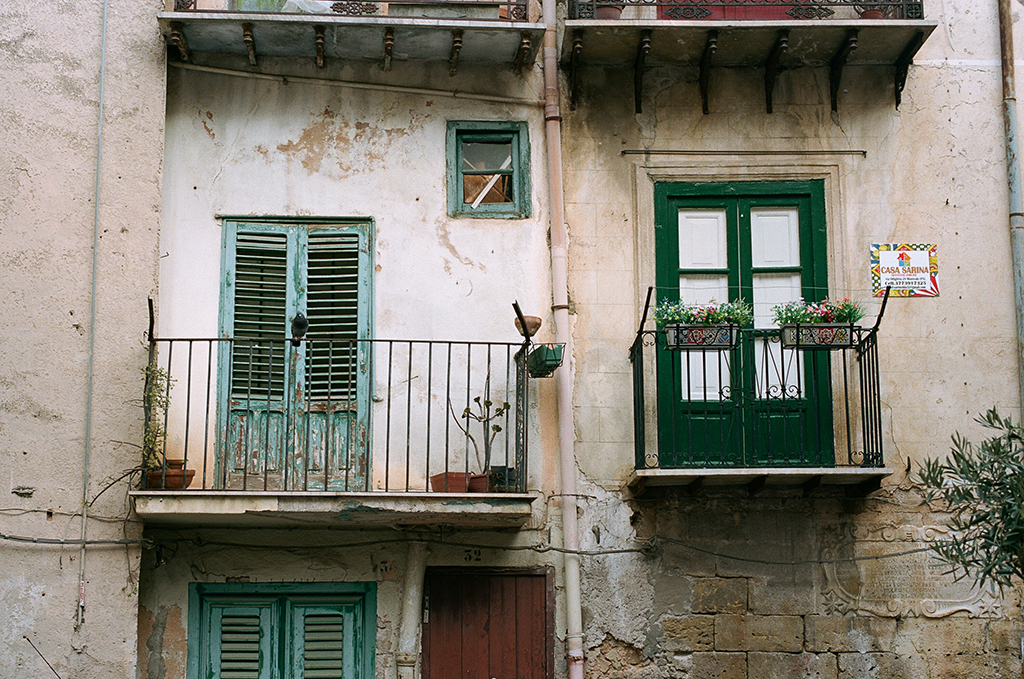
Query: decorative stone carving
(860, 578)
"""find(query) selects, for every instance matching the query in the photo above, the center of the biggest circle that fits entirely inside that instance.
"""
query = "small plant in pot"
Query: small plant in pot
(156, 399)
(486, 413)
(873, 11)
(828, 324)
(710, 325)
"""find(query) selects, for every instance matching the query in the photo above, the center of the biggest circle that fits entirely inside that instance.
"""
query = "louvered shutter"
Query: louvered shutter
(327, 642)
(242, 642)
(260, 295)
(332, 307)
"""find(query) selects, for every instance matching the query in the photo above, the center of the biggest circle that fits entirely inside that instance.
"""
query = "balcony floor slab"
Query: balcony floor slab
(337, 509)
(757, 477)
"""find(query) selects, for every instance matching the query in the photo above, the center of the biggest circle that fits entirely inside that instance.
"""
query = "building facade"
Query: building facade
(292, 243)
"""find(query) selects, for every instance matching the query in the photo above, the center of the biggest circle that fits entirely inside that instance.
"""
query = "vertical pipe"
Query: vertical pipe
(560, 307)
(80, 610)
(1013, 180)
(412, 610)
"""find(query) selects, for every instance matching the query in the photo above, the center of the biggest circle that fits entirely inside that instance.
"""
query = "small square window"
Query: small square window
(488, 169)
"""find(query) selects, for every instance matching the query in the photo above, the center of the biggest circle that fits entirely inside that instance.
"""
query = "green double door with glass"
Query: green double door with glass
(294, 415)
(758, 404)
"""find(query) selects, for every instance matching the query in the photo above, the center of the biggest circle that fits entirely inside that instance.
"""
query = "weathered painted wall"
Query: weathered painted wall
(239, 146)
(51, 62)
(263, 556)
(932, 172)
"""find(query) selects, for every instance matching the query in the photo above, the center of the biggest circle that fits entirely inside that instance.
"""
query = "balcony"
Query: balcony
(775, 35)
(338, 431)
(758, 415)
(449, 31)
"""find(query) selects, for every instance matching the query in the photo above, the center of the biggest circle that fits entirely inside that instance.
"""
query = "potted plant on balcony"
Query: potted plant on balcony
(156, 399)
(710, 326)
(484, 412)
(829, 324)
(874, 11)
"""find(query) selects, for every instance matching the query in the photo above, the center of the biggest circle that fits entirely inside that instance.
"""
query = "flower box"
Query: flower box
(825, 336)
(684, 337)
(545, 359)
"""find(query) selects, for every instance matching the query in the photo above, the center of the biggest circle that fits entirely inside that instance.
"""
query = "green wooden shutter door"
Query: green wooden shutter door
(332, 307)
(260, 295)
(327, 642)
(241, 642)
(323, 653)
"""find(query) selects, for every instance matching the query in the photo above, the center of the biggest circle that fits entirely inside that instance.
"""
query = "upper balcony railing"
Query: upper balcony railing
(757, 404)
(338, 414)
(482, 10)
(729, 10)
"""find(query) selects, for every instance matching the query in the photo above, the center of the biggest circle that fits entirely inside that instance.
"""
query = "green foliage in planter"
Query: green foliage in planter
(156, 398)
(738, 312)
(982, 488)
(826, 311)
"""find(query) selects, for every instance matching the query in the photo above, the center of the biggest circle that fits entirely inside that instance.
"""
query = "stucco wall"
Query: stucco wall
(787, 603)
(50, 53)
(183, 557)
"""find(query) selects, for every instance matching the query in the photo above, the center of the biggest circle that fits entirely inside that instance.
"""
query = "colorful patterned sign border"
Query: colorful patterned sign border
(932, 290)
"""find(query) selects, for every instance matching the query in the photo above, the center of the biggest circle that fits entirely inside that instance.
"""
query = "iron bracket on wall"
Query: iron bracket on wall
(389, 46)
(574, 65)
(710, 47)
(178, 40)
(525, 45)
(453, 57)
(904, 62)
(835, 71)
(319, 31)
(642, 49)
(771, 67)
(250, 43)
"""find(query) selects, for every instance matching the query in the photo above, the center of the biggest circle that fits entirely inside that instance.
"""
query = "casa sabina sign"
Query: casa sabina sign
(908, 269)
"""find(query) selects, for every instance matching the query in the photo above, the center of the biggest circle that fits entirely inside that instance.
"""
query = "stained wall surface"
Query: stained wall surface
(68, 321)
(779, 582)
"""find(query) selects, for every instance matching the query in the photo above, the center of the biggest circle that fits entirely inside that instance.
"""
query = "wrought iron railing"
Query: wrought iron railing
(746, 9)
(756, 405)
(329, 413)
(493, 10)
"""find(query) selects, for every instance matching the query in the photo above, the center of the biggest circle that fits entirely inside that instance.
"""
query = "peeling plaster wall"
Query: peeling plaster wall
(50, 52)
(273, 556)
(933, 172)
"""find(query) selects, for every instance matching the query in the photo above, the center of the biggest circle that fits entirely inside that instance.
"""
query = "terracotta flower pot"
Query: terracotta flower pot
(174, 477)
(872, 14)
(608, 12)
(460, 482)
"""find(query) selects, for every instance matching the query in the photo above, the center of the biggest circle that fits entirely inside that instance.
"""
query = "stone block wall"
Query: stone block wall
(807, 588)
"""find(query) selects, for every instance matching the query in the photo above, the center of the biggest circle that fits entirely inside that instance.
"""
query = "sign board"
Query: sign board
(910, 269)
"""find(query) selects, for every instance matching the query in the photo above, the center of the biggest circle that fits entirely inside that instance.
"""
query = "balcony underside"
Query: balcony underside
(775, 46)
(855, 480)
(742, 43)
(381, 39)
(375, 509)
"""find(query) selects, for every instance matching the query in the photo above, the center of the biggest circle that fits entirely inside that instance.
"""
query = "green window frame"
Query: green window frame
(718, 409)
(488, 169)
(290, 412)
(282, 630)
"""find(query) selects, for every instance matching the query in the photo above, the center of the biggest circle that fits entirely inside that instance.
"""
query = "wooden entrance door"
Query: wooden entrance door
(488, 625)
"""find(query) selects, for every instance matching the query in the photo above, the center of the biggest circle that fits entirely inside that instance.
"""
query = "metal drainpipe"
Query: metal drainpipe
(412, 611)
(80, 610)
(1013, 179)
(563, 376)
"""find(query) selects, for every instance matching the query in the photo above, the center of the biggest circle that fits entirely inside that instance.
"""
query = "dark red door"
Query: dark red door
(488, 625)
